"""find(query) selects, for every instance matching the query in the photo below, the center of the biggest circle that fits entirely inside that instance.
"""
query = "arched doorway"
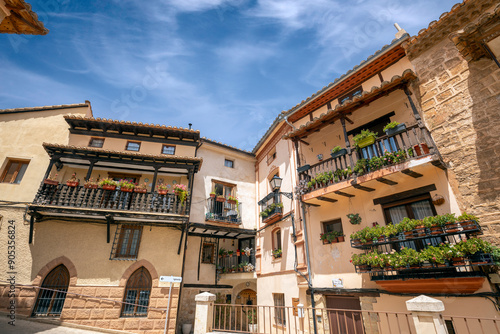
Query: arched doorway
(50, 302)
(247, 297)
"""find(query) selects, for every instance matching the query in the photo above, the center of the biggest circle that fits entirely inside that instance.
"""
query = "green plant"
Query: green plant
(126, 184)
(391, 125)
(361, 166)
(251, 316)
(389, 230)
(222, 251)
(181, 192)
(277, 252)
(466, 216)
(433, 254)
(354, 218)
(329, 236)
(364, 134)
(474, 245)
(375, 163)
(361, 235)
(107, 182)
(162, 186)
(336, 149)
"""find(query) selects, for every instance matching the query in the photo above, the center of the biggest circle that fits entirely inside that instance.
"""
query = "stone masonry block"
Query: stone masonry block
(112, 314)
(444, 95)
(83, 314)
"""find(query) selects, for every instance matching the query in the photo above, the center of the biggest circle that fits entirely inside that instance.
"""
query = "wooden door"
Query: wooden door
(343, 322)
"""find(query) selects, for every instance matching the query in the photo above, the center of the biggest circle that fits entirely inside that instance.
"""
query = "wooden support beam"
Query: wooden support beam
(439, 164)
(326, 199)
(304, 142)
(411, 173)
(360, 187)
(348, 119)
(387, 181)
(109, 220)
(32, 227)
(180, 240)
(199, 257)
(341, 193)
(311, 204)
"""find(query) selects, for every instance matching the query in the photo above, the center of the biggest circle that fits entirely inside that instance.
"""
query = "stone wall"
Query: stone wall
(461, 107)
(98, 312)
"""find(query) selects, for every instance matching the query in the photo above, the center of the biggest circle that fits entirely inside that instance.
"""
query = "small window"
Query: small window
(128, 242)
(96, 142)
(137, 294)
(168, 149)
(276, 242)
(333, 225)
(14, 171)
(229, 163)
(208, 253)
(50, 300)
(351, 95)
(133, 146)
(271, 156)
(279, 309)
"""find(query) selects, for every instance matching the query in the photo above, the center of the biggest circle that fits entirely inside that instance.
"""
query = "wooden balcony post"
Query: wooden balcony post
(49, 169)
(89, 171)
(153, 185)
(347, 144)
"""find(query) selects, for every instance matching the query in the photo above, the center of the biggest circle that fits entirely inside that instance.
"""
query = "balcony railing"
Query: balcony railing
(80, 197)
(413, 142)
(223, 211)
(234, 263)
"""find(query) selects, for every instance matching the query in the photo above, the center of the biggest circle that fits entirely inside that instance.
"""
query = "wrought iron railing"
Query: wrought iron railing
(413, 142)
(234, 264)
(228, 211)
(97, 198)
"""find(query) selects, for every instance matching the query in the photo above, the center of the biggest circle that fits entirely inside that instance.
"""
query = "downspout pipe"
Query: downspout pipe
(308, 261)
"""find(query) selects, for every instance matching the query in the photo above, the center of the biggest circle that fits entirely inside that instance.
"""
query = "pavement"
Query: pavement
(31, 327)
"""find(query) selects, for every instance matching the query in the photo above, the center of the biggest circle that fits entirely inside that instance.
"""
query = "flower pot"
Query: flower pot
(186, 328)
(220, 199)
(421, 149)
(252, 328)
(72, 183)
(370, 140)
(468, 225)
(238, 253)
(364, 268)
(51, 182)
(341, 239)
(451, 227)
(162, 192)
(356, 242)
(419, 231)
(408, 234)
(230, 201)
(395, 130)
(435, 230)
(126, 190)
(212, 195)
(140, 191)
(339, 153)
(320, 157)
(108, 187)
(458, 261)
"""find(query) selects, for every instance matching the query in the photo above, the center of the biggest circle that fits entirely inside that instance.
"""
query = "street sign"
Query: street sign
(170, 279)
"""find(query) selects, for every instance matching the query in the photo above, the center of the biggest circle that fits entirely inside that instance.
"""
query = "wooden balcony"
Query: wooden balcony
(63, 199)
(223, 212)
(414, 147)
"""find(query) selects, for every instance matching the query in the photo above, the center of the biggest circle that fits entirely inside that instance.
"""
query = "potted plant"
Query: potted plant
(361, 262)
(364, 139)
(394, 128)
(141, 188)
(252, 319)
(108, 184)
(232, 200)
(238, 252)
(249, 267)
(340, 237)
(222, 252)
(354, 218)
(91, 184)
(320, 157)
(51, 180)
(361, 166)
(247, 251)
(277, 253)
(329, 237)
(450, 222)
(230, 253)
(220, 198)
(181, 191)
(467, 221)
(337, 151)
(212, 194)
(162, 189)
(72, 182)
(126, 186)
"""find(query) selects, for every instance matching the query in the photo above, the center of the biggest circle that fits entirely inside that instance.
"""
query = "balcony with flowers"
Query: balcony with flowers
(437, 254)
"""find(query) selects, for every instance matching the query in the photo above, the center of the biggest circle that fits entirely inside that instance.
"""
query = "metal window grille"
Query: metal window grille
(137, 292)
(49, 302)
(279, 309)
(208, 253)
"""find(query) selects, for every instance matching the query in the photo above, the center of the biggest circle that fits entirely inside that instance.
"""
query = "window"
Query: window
(168, 149)
(229, 163)
(351, 95)
(208, 253)
(277, 239)
(128, 242)
(133, 146)
(50, 302)
(271, 156)
(333, 225)
(96, 142)
(14, 171)
(279, 309)
(137, 294)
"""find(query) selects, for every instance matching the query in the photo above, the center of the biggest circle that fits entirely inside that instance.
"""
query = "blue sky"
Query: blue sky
(228, 67)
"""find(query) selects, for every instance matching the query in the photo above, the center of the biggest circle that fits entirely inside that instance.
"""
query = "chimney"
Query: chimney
(400, 32)
(190, 125)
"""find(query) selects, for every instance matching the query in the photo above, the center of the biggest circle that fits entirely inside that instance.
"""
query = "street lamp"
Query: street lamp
(275, 183)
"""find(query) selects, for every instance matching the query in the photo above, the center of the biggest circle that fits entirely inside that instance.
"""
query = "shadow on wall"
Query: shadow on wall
(486, 122)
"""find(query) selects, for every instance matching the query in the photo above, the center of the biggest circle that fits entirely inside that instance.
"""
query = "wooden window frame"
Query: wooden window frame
(57, 279)
(119, 245)
(16, 173)
(164, 146)
(144, 273)
(406, 203)
(96, 138)
(271, 156)
(133, 142)
(279, 313)
(232, 163)
(332, 222)
(276, 240)
(212, 257)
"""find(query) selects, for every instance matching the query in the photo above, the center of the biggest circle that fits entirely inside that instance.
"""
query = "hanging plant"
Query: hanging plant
(354, 218)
